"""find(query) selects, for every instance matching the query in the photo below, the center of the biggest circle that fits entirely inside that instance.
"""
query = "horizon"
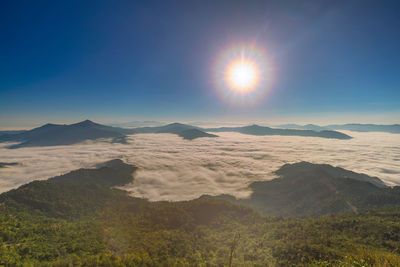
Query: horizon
(200, 123)
(318, 62)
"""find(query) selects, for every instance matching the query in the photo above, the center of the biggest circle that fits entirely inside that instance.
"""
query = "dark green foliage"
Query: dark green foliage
(71, 223)
(105, 226)
(111, 173)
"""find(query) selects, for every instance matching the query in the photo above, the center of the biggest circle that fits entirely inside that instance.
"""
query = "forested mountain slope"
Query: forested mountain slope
(306, 189)
(83, 221)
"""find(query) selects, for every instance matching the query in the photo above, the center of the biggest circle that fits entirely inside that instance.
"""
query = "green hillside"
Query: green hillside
(62, 222)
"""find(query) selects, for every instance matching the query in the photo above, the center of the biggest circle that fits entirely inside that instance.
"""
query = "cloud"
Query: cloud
(171, 168)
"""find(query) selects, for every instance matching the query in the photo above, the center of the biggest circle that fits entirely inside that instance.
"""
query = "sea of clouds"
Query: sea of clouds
(171, 168)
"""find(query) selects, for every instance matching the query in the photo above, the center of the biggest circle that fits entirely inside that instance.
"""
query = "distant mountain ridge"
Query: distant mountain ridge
(185, 131)
(178, 128)
(357, 127)
(57, 134)
(135, 124)
(174, 128)
(263, 130)
(64, 134)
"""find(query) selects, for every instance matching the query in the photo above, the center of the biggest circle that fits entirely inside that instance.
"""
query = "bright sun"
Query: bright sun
(242, 75)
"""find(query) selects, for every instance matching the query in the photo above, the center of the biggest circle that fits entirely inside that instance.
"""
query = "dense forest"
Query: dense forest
(68, 221)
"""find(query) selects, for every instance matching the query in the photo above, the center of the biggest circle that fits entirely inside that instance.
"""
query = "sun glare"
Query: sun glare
(242, 75)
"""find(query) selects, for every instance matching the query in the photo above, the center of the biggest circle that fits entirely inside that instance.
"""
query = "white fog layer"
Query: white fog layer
(171, 168)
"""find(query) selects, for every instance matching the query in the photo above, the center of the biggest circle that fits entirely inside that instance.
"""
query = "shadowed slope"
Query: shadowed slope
(318, 189)
(111, 173)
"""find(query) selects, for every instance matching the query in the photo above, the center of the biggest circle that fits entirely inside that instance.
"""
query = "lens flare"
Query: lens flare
(243, 75)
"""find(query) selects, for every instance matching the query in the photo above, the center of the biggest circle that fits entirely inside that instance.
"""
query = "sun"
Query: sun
(242, 75)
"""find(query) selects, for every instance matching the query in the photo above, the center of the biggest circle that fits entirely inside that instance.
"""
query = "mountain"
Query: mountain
(56, 134)
(356, 127)
(79, 220)
(306, 189)
(185, 131)
(191, 134)
(111, 173)
(173, 128)
(262, 130)
(303, 167)
(312, 127)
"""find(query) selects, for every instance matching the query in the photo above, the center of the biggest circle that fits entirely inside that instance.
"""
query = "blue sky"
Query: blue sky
(63, 61)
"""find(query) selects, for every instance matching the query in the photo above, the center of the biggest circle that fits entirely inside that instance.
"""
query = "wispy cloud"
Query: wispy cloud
(174, 169)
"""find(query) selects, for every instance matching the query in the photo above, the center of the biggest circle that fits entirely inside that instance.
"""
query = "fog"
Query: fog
(171, 168)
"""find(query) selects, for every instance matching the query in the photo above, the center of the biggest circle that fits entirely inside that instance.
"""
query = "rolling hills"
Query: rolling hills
(78, 219)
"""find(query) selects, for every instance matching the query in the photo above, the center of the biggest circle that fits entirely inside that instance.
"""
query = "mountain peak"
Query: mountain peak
(48, 125)
(86, 123)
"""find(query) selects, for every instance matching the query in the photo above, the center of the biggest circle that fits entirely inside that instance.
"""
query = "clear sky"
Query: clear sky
(331, 61)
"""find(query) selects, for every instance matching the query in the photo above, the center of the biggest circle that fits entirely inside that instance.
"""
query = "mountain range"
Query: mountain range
(263, 130)
(392, 128)
(56, 134)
